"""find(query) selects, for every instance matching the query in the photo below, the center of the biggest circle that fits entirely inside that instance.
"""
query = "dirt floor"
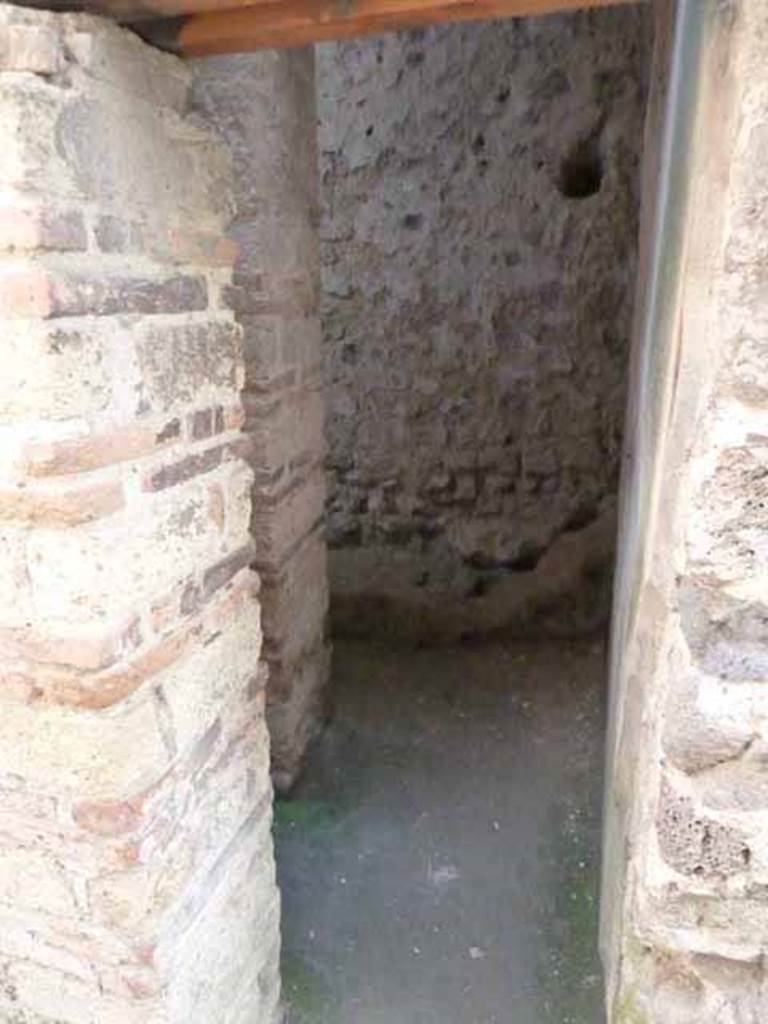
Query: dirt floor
(439, 862)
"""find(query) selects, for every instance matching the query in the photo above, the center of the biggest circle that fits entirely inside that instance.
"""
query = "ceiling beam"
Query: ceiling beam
(197, 28)
(280, 24)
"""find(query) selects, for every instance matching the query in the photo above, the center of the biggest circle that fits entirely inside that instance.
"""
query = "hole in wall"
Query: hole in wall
(581, 170)
(527, 560)
(412, 221)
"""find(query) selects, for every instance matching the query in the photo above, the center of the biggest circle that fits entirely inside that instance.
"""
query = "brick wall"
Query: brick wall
(478, 240)
(136, 877)
(263, 106)
(686, 858)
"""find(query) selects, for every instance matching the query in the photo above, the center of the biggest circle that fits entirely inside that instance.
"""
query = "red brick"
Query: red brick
(201, 424)
(169, 432)
(103, 296)
(181, 602)
(61, 508)
(113, 234)
(189, 247)
(116, 235)
(109, 817)
(94, 649)
(41, 228)
(190, 599)
(205, 423)
(110, 687)
(185, 469)
(93, 451)
(187, 598)
(99, 690)
(195, 464)
(222, 572)
(194, 631)
(125, 818)
(95, 691)
(243, 588)
(27, 292)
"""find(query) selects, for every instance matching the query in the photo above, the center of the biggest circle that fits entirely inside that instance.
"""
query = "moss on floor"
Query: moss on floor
(570, 987)
(307, 997)
(306, 816)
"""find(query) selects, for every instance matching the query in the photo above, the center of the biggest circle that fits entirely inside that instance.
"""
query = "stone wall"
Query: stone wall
(686, 860)
(480, 186)
(136, 875)
(263, 107)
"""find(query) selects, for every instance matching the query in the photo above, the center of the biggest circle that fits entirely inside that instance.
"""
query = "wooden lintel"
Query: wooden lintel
(202, 27)
(280, 24)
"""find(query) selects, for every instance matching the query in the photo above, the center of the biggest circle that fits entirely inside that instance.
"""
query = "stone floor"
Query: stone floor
(439, 862)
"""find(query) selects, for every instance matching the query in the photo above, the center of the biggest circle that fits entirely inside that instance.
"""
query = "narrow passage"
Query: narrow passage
(439, 863)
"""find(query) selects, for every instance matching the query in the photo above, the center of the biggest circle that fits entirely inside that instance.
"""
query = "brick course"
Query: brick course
(136, 877)
(275, 297)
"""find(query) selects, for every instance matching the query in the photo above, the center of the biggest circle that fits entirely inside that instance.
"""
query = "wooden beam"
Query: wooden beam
(290, 15)
(281, 24)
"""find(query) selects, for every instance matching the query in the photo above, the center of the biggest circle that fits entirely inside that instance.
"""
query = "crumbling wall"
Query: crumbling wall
(685, 895)
(136, 874)
(480, 187)
(263, 107)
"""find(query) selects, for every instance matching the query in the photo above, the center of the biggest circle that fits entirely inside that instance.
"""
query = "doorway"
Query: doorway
(439, 858)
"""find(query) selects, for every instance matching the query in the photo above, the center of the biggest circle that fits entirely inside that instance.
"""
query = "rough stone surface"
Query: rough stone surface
(263, 106)
(136, 871)
(480, 189)
(686, 858)
(694, 844)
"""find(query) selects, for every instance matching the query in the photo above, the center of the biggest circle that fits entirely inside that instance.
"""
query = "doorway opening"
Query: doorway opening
(439, 856)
